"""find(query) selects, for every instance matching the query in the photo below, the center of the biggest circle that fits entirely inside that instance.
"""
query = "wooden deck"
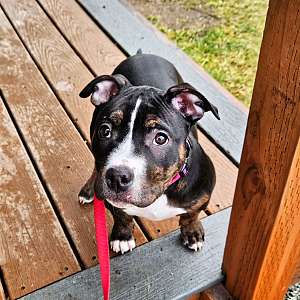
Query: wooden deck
(49, 50)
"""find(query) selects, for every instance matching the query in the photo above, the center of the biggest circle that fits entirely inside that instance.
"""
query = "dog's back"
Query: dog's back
(151, 70)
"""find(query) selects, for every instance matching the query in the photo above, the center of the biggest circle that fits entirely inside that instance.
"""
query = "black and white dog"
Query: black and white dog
(148, 162)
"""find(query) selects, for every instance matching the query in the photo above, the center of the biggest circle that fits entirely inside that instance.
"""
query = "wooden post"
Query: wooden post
(263, 242)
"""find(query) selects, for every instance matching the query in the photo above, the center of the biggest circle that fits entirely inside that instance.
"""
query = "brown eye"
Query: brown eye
(104, 131)
(161, 138)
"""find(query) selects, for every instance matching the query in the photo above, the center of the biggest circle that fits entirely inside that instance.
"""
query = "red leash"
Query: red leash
(102, 245)
(102, 236)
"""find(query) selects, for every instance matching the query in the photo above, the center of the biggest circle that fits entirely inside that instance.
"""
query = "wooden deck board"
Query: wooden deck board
(217, 292)
(60, 64)
(161, 269)
(226, 174)
(35, 250)
(96, 49)
(61, 155)
(80, 31)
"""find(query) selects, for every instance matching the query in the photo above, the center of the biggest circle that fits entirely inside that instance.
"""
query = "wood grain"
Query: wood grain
(96, 49)
(34, 248)
(60, 64)
(161, 269)
(264, 234)
(226, 174)
(61, 155)
(80, 30)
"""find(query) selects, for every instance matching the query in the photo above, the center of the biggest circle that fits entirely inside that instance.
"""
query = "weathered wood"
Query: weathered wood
(96, 49)
(139, 33)
(34, 248)
(61, 155)
(161, 269)
(80, 30)
(263, 239)
(156, 229)
(226, 174)
(60, 64)
(217, 292)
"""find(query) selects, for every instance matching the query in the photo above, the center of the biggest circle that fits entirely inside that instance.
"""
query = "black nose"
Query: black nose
(119, 179)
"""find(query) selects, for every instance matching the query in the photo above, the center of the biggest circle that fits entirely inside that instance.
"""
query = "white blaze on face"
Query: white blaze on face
(124, 155)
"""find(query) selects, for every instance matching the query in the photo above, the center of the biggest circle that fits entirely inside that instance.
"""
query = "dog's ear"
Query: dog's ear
(189, 102)
(103, 88)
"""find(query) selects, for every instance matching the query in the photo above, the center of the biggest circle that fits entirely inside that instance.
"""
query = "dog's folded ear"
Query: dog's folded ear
(189, 102)
(102, 88)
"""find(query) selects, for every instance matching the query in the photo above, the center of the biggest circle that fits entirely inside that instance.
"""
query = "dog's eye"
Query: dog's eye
(104, 131)
(161, 138)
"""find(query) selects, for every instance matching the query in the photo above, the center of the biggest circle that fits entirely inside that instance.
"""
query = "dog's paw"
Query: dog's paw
(122, 246)
(197, 246)
(85, 200)
(85, 197)
(192, 236)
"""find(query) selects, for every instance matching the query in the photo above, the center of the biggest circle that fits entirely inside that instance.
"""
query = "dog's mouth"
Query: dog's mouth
(127, 200)
(120, 200)
(130, 198)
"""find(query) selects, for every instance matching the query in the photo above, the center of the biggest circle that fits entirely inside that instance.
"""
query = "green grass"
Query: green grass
(228, 51)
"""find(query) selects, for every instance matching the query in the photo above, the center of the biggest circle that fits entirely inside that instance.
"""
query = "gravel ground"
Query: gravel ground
(293, 292)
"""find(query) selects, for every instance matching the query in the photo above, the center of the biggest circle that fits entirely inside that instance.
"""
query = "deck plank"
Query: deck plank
(80, 31)
(226, 174)
(60, 64)
(61, 155)
(93, 45)
(162, 269)
(35, 251)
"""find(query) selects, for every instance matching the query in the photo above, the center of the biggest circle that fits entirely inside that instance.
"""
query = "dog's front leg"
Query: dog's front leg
(192, 232)
(86, 194)
(121, 238)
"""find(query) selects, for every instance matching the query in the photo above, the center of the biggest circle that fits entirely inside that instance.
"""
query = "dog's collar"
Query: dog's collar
(184, 169)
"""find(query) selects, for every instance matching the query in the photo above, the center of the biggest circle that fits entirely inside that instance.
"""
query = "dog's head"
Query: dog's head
(138, 136)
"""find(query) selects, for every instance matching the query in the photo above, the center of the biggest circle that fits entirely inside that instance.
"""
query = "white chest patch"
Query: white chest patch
(158, 210)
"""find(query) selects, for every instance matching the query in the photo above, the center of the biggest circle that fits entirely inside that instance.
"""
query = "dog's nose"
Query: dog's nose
(119, 179)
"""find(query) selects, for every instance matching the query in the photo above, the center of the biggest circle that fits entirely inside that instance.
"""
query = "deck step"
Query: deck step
(161, 269)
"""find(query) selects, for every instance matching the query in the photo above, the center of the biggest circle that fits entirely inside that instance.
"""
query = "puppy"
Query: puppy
(148, 162)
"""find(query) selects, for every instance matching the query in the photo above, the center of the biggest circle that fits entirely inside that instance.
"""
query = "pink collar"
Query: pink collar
(184, 169)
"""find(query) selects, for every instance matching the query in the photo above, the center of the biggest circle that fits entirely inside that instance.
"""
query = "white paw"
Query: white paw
(196, 246)
(122, 246)
(83, 200)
